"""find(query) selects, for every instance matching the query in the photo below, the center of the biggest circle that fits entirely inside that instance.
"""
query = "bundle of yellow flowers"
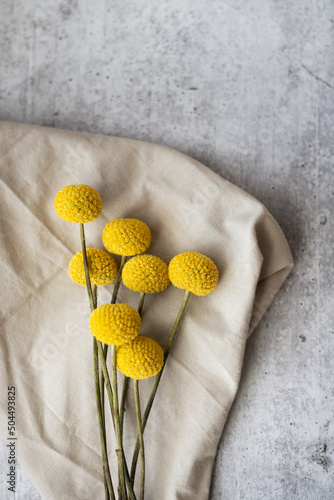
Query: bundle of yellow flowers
(118, 325)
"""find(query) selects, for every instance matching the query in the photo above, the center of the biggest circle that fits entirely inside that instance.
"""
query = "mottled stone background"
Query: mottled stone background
(246, 87)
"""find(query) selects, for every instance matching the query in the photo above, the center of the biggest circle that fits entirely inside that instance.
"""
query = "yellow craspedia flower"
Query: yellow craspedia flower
(115, 324)
(145, 274)
(102, 267)
(78, 203)
(126, 237)
(142, 358)
(194, 272)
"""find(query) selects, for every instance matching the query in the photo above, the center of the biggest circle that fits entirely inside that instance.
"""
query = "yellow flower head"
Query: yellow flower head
(146, 274)
(102, 267)
(194, 272)
(142, 358)
(126, 237)
(78, 203)
(115, 324)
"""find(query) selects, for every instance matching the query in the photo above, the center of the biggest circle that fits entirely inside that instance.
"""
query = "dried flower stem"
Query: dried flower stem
(119, 451)
(141, 439)
(141, 303)
(118, 280)
(175, 328)
(126, 379)
(113, 301)
(84, 255)
(100, 414)
(105, 463)
(111, 403)
(98, 373)
(105, 353)
(122, 406)
(106, 490)
(157, 381)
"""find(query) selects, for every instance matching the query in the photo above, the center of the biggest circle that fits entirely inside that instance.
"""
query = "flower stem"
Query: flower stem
(106, 490)
(98, 373)
(118, 280)
(119, 451)
(84, 255)
(176, 326)
(141, 303)
(157, 381)
(100, 412)
(113, 301)
(122, 406)
(141, 439)
(126, 379)
(101, 379)
(111, 403)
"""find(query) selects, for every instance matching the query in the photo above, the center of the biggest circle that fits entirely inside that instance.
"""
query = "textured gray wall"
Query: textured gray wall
(246, 87)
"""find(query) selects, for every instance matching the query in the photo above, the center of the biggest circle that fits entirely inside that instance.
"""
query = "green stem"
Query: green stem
(113, 301)
(122, 406)
(84, 255)
(119, 451)
(106, 489)
(176, 325)
(128, 482)
(118, 280)
(141, 439)
(157, 381)
(126, 379)
(107, 484)
(111, 403)
(103, 354)
(101, 379)
(105, 464)
(100, 413)
(141, 303)
(94, 294)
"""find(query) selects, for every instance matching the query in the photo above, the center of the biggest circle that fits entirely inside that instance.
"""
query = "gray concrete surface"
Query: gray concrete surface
(246, 87)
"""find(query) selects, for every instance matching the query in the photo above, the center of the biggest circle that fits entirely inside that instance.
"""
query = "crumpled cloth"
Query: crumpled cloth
(46, 345)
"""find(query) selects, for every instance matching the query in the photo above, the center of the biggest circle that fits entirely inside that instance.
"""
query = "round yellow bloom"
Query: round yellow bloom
(194, 272)
(78, 203)
(115, 324)
(126, 237)
(102, 267)
(142, 358)
(145, 274)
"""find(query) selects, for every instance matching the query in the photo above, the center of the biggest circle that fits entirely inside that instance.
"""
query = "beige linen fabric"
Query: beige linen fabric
(46, 346)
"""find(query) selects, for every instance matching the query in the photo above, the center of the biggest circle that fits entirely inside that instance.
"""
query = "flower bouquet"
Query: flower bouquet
(116, 327)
